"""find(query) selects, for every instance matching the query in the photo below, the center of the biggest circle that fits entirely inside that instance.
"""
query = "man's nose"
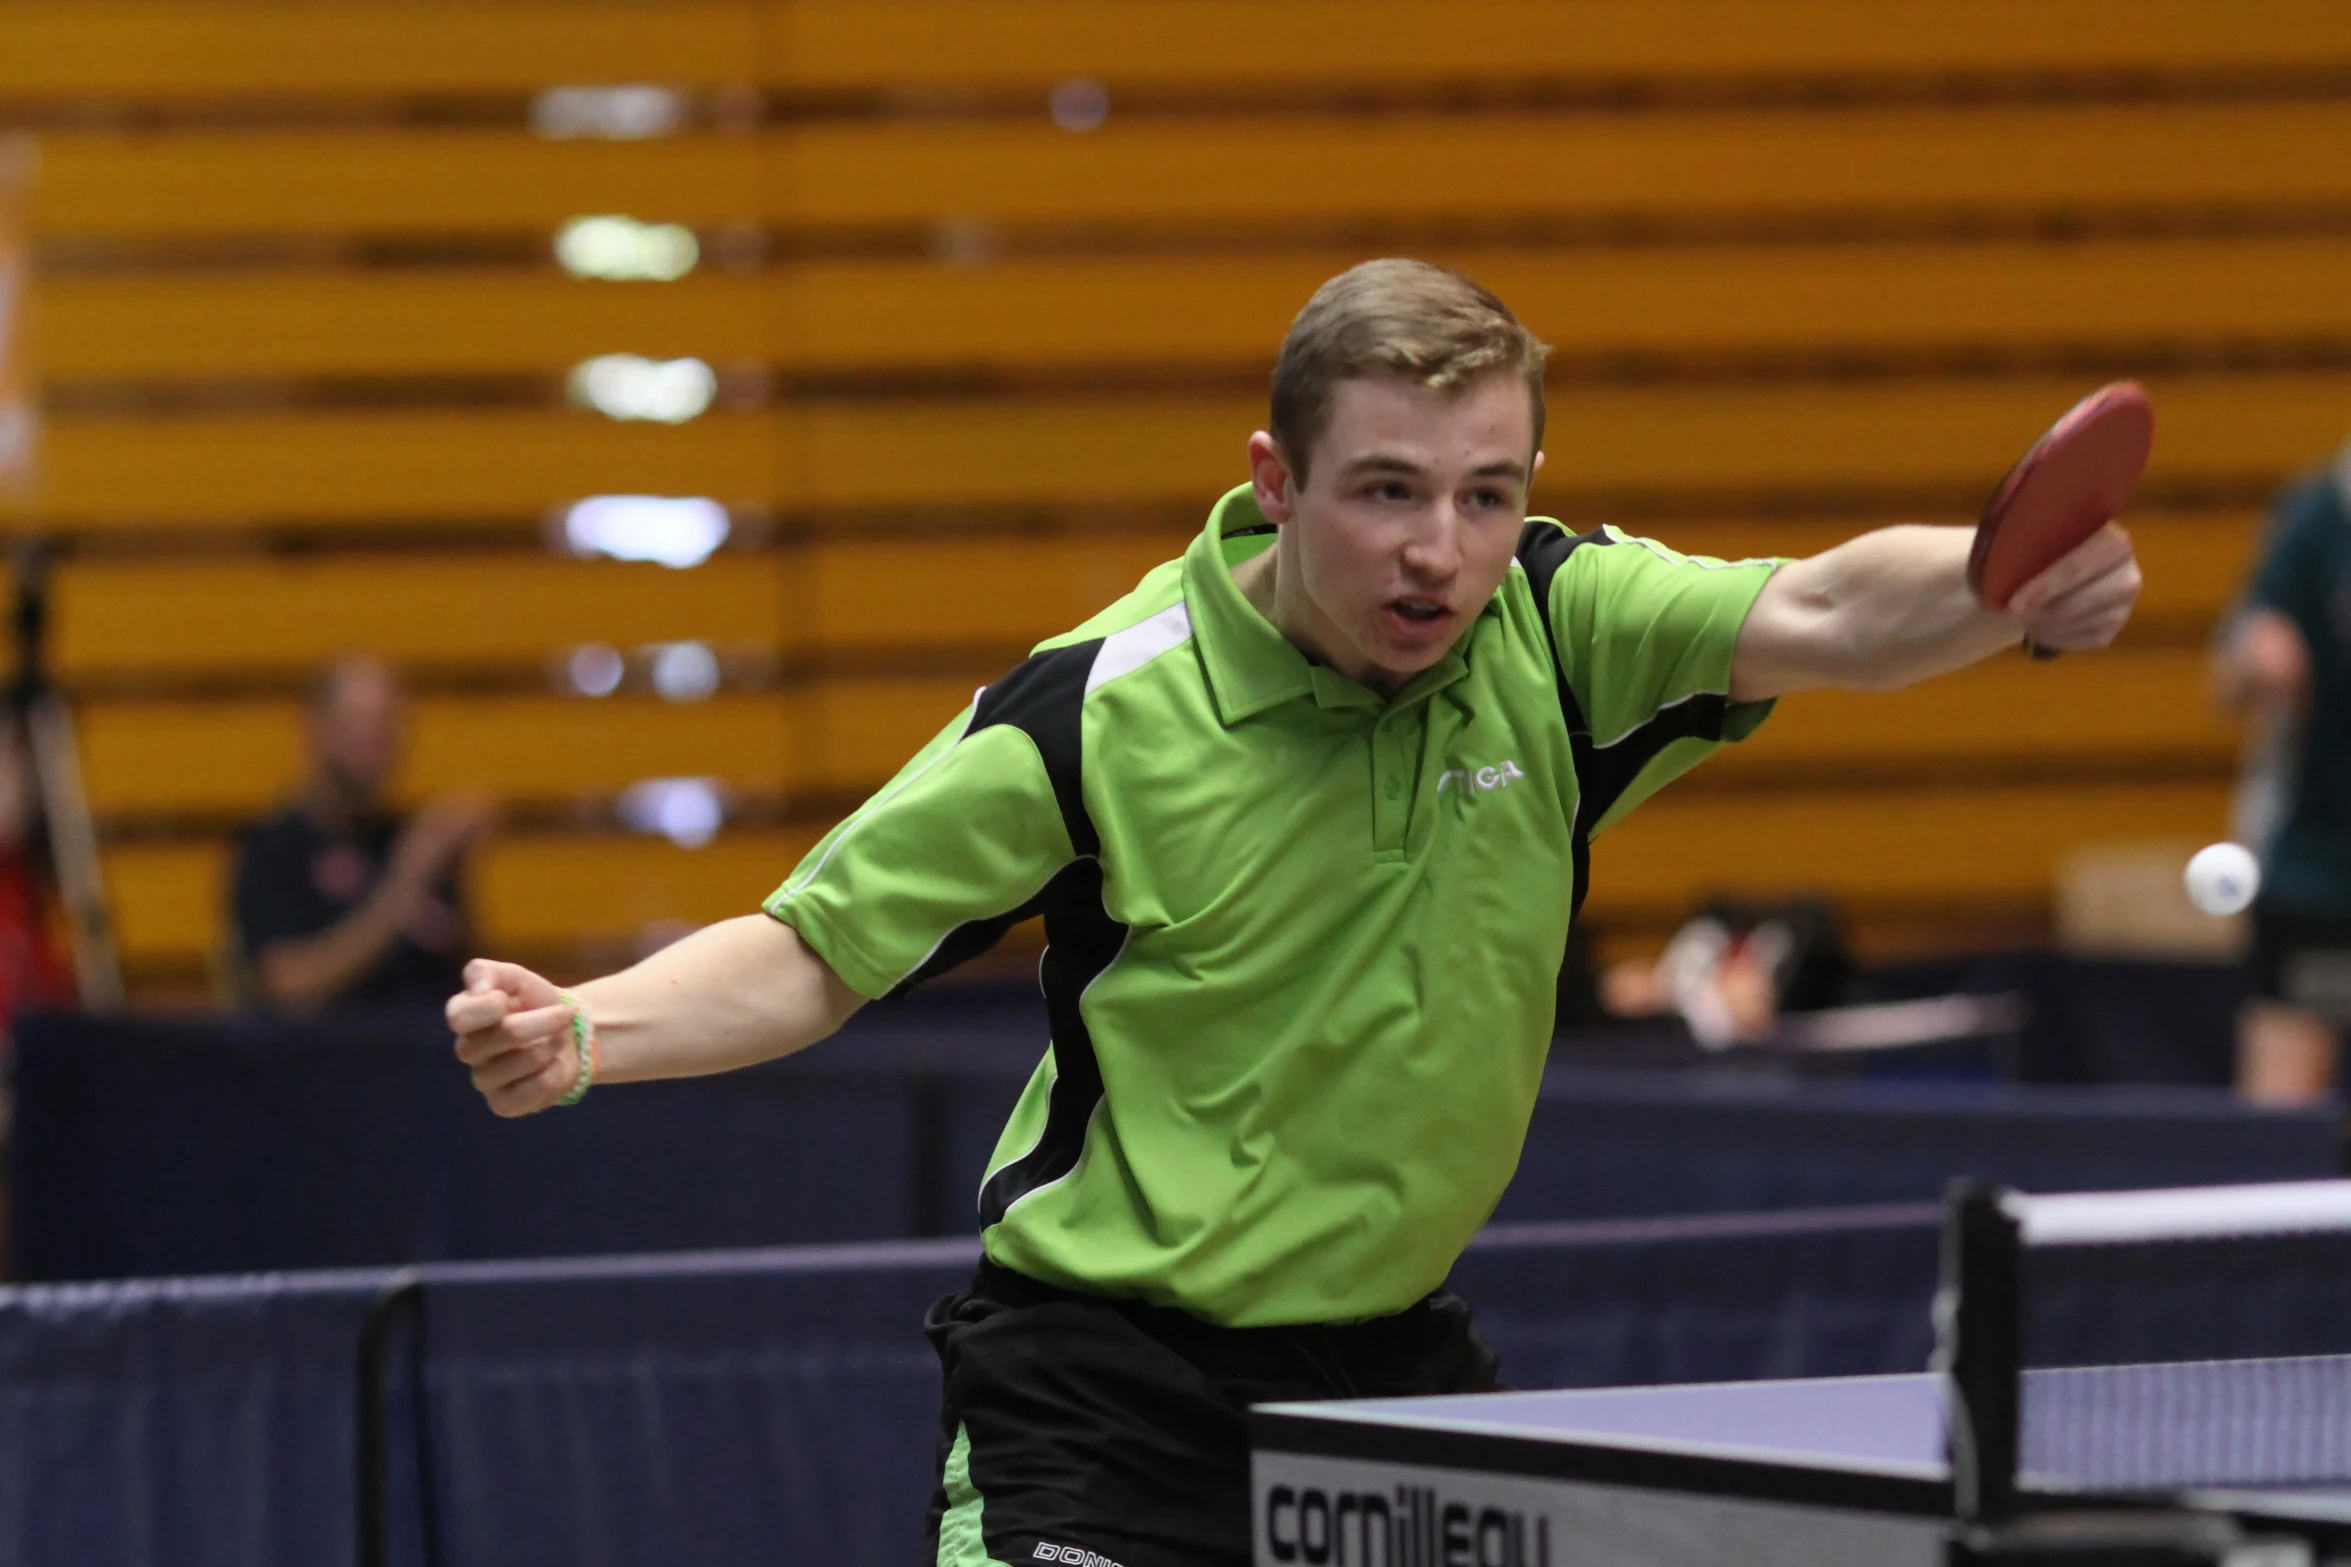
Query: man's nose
(1434, 551)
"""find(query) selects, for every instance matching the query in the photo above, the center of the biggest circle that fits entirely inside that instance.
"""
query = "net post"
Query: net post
(1979, 1349)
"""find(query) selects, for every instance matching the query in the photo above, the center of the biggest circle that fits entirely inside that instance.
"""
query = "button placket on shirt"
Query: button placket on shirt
(1395, 762)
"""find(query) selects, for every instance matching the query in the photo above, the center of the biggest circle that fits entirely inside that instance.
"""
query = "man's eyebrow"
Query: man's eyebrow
(1389, 462)
(1381, 462)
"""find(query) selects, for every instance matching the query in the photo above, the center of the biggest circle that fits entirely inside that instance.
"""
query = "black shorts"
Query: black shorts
(2303, 960)
(1109, 1433)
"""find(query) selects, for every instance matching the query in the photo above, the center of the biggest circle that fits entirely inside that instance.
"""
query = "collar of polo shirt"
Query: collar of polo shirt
(1251, 666)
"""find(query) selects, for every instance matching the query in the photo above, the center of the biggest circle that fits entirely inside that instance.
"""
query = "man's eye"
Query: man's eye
(1392, 490)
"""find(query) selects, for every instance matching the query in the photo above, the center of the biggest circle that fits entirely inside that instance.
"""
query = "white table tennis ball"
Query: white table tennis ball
(2223, 879)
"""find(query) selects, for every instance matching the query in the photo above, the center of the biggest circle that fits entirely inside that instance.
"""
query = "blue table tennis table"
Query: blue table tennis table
(1832, 1472)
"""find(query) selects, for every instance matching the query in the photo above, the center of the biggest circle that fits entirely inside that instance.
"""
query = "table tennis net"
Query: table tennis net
(2168, 1341)
(2178, 1425)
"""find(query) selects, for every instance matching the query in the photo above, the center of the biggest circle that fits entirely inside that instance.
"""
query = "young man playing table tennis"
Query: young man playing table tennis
(1306, 816)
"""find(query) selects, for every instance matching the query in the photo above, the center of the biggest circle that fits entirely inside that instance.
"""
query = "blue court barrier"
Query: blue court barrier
(153, 1423)
(213, 1145)
(2098, 1020)
(148, 1148)
(1609, 1144)
(778, 1407)
(761, 1407)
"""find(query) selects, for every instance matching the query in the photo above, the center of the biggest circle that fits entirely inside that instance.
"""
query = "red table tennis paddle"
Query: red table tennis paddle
(2073, 482)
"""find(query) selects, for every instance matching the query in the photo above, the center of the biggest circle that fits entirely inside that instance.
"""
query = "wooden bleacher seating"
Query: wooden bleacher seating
(215, 760)
(1287, 171)
(1902, 853)
(1809, 264)
(544, 893)
(265, 619)
(861, 460)
(167, 51)
(844, 735)
(1043, 315)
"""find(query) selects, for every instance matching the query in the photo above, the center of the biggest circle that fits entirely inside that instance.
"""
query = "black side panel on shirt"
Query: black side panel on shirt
(1045, 699)
(1081, 940)
(1603, 772)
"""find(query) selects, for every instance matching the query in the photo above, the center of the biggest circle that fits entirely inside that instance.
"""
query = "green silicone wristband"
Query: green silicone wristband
(583, 1044)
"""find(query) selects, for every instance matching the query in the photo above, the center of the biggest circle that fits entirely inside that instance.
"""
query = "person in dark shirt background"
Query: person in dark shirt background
(337, 900)
(2287, 659)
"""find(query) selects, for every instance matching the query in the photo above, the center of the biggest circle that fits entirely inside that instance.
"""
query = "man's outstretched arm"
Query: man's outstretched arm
(1892, 608)
(732, 994)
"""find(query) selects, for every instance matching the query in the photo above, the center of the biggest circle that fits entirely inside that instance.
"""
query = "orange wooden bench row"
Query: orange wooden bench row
(163, 49)
(1259, 174)
(450, 613)
(1070, 454)
(1977, 848)
(165, 757)
(849, 734)
(894, 316)
(116, 622)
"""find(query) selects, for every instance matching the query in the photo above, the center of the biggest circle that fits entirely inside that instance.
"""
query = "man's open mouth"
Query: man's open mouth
(1418, 609)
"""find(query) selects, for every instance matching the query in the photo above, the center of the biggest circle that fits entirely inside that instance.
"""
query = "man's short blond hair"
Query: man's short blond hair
(1395, 318)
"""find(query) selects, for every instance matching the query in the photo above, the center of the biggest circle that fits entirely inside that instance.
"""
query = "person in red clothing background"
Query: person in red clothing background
(33, 969)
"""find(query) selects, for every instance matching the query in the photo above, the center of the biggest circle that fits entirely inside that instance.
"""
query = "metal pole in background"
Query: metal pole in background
(56, 757)
(19, 421)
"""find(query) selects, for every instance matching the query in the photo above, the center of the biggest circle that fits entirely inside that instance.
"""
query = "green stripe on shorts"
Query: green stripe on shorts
(960, 1543)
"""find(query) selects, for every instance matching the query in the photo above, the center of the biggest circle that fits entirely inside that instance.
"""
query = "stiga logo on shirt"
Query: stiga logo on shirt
(1479, 780)
(1414, 1526)
(1072, 1555)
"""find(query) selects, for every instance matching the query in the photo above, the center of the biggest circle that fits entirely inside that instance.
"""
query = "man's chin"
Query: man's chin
(1401, 664)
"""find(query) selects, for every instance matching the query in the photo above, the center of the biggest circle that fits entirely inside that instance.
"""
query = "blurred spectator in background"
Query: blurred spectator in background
(1733, 969)
(2285, 660)
(338, 901)
(33, 972)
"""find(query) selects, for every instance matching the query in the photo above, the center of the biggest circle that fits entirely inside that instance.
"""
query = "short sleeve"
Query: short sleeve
(938, 864)
(1645, 638)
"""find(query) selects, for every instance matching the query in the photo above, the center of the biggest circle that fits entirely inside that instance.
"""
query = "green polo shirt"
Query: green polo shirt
(1303, 941)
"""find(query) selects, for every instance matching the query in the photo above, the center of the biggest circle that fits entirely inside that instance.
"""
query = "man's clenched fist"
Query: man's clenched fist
(514, 1031)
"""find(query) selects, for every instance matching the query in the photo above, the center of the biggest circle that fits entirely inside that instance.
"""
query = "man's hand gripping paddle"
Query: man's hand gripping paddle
(2073, 482)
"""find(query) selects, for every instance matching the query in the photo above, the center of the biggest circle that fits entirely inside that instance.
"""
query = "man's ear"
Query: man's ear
(1270, 479)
